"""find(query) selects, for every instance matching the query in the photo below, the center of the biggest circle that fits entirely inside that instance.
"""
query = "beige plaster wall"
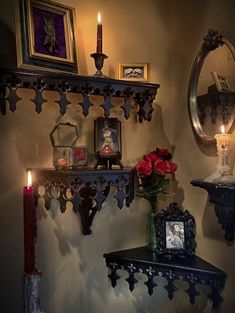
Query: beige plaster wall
(74, 273)
(190, 23)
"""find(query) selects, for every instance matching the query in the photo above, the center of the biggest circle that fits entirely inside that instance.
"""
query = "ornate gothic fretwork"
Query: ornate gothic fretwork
(39, 85)
(134, 95)
(192, 270)
(87, 189)
(63, 88)
(13, 83)
(222, 195)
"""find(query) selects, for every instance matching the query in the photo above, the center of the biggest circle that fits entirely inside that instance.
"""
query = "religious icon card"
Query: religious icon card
(107, 143)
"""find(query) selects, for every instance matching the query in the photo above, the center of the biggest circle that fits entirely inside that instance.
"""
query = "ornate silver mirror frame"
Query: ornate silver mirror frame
(211, 41)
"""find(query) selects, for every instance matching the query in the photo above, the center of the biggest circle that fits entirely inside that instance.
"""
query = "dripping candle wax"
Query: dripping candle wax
(99, 34)
(30, 226)
(223, 140)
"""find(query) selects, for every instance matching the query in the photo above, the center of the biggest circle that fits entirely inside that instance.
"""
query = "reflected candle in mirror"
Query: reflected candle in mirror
(30, 226)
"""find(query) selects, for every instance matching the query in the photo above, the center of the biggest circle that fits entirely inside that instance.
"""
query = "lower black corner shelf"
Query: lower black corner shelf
(192, 270)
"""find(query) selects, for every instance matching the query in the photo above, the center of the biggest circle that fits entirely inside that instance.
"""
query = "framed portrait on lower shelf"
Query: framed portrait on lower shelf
(133, 71)
(175, 233)
(45, 36)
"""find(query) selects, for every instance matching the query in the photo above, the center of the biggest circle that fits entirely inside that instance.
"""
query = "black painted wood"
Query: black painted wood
(143, 94)
(86, 189)
(193, 270)
(222, 195)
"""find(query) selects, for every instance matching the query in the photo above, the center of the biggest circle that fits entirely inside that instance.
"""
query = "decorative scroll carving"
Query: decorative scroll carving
(88, 190)
(212, 40)
(194, 271)
(143, 94)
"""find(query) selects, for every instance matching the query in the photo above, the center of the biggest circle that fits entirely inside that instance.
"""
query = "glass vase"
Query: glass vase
(150, 228)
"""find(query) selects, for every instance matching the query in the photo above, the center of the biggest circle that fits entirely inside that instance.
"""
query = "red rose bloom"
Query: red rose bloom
(164, 154)
(173, 167)
(144, 168)
(162, 167)
(153, 172)
(152, 156)
(79, 154)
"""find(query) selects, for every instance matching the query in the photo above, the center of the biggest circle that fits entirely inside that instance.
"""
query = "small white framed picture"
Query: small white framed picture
(221, 82)
(174, 235)
(133, 71)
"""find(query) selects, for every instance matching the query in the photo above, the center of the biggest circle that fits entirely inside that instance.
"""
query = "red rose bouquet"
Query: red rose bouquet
(153, 173)
(153, 176)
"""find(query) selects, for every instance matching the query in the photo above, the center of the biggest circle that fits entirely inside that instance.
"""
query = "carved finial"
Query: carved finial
(212, 40)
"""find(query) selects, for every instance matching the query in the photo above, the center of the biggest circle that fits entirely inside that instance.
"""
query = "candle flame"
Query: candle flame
(222, 129)
(99, 18)
(29, 184)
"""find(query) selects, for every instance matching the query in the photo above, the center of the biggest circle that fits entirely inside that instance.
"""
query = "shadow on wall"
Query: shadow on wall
(8, 49)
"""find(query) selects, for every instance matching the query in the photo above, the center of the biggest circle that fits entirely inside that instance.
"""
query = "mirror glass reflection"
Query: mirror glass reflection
(216, 91)
(211, 89)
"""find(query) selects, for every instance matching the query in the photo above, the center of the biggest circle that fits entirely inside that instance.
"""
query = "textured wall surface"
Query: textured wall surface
(167, 35)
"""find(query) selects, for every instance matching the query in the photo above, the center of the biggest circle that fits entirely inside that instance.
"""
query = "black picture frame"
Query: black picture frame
(175, 231)
(45, 37)
(107, 142)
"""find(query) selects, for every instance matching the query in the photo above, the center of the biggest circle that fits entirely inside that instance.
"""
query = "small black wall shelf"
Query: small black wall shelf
(86, 189)
(142, 94)
(222, 195)
(193, 270)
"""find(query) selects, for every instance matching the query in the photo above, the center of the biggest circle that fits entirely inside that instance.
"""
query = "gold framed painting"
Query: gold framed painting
(133, 71)
(45, 36)
(221, 82)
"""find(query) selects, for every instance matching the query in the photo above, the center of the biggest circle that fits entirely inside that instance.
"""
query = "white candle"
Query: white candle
(223, 140)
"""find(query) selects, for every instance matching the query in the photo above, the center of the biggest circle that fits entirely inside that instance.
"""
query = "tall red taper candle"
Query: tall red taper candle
(99, 34)
(30, 226)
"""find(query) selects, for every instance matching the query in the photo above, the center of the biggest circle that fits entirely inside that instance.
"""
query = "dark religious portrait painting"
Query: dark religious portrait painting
(46, 36)
(49, 33)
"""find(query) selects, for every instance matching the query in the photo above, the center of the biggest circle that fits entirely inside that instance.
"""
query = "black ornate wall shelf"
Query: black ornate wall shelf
(142, 93)
(86, 189)
(192, 270)
(222, 195)
(220, 104)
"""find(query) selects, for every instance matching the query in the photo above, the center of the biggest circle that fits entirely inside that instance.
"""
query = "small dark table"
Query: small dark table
(194, 271)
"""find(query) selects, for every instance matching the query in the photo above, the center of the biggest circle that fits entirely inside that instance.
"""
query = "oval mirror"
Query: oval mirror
(211, 91)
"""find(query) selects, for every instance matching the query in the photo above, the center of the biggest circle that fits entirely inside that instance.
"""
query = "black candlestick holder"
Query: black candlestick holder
(99, 62)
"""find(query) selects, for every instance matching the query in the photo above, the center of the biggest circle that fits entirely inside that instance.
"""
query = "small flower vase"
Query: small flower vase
(150, 229)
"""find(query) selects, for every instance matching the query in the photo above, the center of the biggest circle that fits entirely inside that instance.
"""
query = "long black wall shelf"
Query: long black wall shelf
(143, 94)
